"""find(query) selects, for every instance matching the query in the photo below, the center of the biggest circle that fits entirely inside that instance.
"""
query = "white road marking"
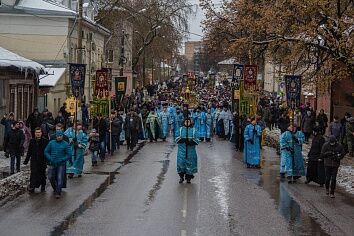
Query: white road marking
(185, 204)
(183, 233)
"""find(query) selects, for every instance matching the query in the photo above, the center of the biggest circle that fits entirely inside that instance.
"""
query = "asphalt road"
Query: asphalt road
(225, 198)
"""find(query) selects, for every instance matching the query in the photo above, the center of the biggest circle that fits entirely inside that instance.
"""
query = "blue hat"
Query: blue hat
(59, 133)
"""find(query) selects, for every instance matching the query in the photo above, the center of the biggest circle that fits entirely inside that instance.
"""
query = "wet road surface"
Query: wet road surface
(225, 198)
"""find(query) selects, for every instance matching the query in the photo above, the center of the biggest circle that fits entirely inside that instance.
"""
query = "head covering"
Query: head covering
(59, 133)
(94, 131)
(351, 119)
(332, 139)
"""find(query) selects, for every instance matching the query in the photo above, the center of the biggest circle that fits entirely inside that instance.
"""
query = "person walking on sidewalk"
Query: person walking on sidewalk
(116, 129)
(335, 128)
(131, 128)
(57, 153)
(307, 125)
(332, 152)
(7, 121)
(14, 146)
(94, 146)
(322, 121)
(349, 132)
(35, 154)
(315, 168)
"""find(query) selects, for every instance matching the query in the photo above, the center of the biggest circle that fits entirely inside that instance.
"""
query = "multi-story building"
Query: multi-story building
(193, 50)
(46, 32)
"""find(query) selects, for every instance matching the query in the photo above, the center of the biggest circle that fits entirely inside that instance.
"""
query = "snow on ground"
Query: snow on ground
(345, 178)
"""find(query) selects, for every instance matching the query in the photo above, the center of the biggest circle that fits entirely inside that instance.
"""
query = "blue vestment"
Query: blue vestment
(252, 149)
(209, 125)
(291, 147)
(164, 122)
(78, 162)
(187, 161)
(179, 118)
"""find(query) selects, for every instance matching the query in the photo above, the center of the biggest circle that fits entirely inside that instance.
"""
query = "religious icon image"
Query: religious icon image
(77, 75)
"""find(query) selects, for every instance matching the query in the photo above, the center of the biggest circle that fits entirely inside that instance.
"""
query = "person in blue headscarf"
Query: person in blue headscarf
(187, 140)
(252, 151)
(78, 142)
(291, 161)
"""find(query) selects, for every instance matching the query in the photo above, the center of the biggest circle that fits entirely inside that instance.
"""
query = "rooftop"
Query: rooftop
(9, 59)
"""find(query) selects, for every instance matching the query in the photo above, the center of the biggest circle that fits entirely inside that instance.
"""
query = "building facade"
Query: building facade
(46, 32)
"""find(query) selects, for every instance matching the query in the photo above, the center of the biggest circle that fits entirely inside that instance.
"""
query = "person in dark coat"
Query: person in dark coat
(35, 154)
(14, 146)
(308, 123)
(332, 152)
(315, 167)
(34, 120)
(116, 129)
(7, 123)
(131, 128)
(283, 122)
(322, 120)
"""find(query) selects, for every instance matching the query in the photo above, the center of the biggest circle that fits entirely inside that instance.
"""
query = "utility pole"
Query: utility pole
(79, 33)
(122, 53)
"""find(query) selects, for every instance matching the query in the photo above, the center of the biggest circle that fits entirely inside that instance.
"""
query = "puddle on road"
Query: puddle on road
(300, 223)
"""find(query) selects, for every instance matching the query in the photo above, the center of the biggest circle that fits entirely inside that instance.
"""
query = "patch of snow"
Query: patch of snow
(43, 5)
(51, 77)
(8, 59)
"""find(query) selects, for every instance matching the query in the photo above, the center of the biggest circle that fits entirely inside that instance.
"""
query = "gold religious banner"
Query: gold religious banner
(70, 105)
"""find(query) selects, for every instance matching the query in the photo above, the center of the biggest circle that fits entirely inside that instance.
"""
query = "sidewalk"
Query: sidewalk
(42, 214)
(345, 178)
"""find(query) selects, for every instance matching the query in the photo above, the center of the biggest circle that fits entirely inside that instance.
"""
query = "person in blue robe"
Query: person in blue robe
(164, 122)
(172, 118)
(179, 118)
(291, 161)
(218, 124)
(224, 120)
(187, 160)
(76, 165)
(209, 124)
(252, 151)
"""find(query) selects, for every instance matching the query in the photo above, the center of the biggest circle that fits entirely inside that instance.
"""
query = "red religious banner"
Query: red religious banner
(250, 77)
(102, 85)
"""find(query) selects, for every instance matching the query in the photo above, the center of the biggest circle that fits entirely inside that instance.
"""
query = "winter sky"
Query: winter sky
(195, 21)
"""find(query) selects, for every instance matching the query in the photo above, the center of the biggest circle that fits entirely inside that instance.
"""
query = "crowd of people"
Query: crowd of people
(158, 113)
(325, 154)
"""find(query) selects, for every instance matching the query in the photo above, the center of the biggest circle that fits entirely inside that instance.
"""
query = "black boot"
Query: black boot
(181, 177)
(189, 178)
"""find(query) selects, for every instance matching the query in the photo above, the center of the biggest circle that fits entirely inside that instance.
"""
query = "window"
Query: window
(109, 55)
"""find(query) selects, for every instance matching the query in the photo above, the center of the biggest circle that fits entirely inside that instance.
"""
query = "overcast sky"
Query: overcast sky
(195, 21)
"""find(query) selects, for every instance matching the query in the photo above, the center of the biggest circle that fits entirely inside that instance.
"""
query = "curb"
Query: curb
(87, 203)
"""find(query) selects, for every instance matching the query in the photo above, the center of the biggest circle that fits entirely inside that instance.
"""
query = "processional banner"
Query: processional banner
(102, 84)
(250, 78)
(293, 90)
(77, 79)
